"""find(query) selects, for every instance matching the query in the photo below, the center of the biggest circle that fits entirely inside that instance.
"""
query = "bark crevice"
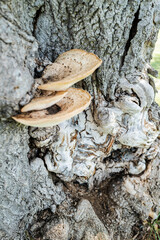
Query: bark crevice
(132, 34)
(35, 20)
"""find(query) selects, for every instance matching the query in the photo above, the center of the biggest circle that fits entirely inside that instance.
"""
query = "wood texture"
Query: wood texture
(109, 154)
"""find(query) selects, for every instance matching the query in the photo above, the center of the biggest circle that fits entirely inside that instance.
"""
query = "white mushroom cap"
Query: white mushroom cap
(72, 104)
(44, 101)
(69, 68)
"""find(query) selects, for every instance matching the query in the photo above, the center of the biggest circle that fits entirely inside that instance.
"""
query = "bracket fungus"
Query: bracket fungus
(72, 104)
(43, 102)
(59, 102)
(69, 68)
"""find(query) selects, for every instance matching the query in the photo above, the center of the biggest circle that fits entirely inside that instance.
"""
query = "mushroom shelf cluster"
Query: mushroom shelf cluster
(57, 101)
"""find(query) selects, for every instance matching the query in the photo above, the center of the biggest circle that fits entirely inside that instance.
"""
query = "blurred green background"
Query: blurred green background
(156, 65)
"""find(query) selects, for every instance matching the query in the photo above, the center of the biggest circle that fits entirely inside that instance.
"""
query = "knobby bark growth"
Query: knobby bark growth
(97, 175)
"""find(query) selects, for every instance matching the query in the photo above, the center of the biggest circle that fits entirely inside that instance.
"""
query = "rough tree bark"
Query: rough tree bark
(97, 175)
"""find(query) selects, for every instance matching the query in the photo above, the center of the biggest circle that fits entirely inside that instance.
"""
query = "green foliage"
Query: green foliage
(156, 65)
(27, 236)
(154, 228)
(156, 57)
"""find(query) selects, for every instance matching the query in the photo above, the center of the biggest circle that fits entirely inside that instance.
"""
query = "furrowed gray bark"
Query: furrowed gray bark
(95, 176)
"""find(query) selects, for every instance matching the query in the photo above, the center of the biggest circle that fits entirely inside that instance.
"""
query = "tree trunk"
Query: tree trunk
(97, 175)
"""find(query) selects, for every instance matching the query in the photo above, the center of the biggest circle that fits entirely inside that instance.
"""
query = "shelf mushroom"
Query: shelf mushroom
(70, 105)
(45, 101)
(69, 68)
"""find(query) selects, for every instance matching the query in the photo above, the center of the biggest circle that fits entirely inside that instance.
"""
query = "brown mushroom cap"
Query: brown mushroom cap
(44, 101)
(72, 104)
(69, 68)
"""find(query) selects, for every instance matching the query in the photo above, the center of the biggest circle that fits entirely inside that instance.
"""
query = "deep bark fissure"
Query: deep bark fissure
(132, 34)
(35, 20)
